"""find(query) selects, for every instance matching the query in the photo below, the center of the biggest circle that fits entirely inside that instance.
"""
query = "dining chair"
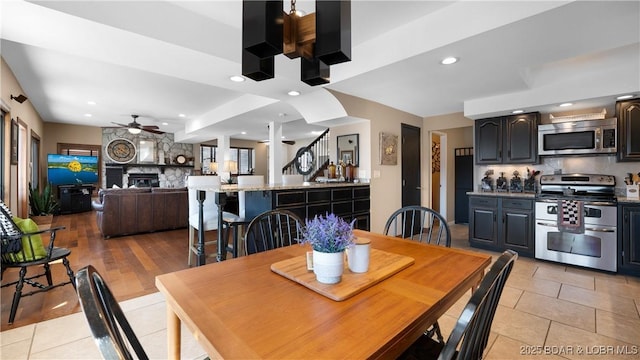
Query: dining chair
(272, 229)
(468, 339)
(292, 179)
(210, 210)
(411, 222)
(22, 247)
(109, 327)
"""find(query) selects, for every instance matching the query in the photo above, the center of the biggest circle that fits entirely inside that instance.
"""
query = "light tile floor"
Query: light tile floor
(547, 311)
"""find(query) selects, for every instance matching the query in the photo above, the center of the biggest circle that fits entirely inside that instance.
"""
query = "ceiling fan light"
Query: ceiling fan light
(134, 131)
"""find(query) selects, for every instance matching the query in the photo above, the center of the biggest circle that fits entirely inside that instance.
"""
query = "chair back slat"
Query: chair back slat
(410, 222)
(272, 229)
(471, 332)
(109, 326)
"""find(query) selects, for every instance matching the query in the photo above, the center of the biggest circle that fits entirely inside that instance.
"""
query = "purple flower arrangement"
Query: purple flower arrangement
(328, 234)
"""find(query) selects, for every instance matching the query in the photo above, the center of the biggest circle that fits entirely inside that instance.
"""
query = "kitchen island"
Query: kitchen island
(350, 201)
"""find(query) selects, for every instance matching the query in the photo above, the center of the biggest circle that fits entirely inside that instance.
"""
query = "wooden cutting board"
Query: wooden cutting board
(382, 265)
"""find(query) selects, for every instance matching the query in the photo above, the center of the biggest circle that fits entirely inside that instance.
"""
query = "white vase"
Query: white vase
(328, 267)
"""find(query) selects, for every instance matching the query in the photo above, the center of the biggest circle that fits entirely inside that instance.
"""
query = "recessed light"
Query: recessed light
(517, 111)
(91, 102)
(88, 115)
(236, 78)
(449, 60)
(243, 132)
(316, 132)
(165, 123)
(623, 97)
(283, 137)
(182, 115)
(565, 104)
(293, 93)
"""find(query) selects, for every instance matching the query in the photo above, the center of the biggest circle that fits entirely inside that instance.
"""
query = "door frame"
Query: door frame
(443, 172)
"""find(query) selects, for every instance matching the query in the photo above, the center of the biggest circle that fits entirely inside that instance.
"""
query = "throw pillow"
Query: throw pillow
(28, 226)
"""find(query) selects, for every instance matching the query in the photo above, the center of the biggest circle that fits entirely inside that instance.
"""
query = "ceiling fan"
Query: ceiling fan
(135, 127)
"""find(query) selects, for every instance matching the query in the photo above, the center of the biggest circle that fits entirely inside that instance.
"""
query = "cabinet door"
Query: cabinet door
(489, 141)
(483, 229)
(628, 113)
(517, 231)
(629, 227)
(521, 141)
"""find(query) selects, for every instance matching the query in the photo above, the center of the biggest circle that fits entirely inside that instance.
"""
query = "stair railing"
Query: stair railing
(311, 159)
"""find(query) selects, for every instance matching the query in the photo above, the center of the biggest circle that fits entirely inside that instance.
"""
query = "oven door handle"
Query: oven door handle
(600, 230)
(554, 225)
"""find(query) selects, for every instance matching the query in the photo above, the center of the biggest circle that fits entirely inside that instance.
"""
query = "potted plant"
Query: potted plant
(329, 236)
(42, 204)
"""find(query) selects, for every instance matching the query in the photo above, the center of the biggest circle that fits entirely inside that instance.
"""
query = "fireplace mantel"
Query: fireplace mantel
(126, 167)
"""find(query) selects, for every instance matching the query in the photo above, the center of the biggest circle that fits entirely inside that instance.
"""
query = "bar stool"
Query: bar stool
(234, 222)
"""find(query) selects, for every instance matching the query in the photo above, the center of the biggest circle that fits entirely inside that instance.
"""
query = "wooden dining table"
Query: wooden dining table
(242, 309)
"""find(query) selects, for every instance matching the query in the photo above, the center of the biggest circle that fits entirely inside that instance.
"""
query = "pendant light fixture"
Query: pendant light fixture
(320, 39)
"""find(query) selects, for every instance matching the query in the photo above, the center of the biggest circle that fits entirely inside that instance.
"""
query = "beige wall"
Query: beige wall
(16, 187)
(386, 180)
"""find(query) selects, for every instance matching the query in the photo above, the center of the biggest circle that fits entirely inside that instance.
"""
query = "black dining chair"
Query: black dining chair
(419, 223)
(469, 337)
(106, 320)
(272, 229)
(26, 249)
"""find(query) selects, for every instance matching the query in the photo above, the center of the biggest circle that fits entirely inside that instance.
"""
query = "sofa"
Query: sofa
(141, 210)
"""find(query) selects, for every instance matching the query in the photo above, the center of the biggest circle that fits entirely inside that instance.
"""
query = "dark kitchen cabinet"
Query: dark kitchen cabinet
(628, 114)
(483, 225)
(517, 228)
(489, 141)
(498, 224)
(348, 202)
(507, 140)
(629, 239)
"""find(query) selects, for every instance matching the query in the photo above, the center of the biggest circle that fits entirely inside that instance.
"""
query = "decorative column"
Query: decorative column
(275, 152)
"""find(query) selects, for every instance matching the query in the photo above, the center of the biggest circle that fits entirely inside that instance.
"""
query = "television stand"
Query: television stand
(75, 198)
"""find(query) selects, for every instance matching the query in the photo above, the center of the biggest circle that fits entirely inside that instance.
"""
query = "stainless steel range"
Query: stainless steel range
(576, 220)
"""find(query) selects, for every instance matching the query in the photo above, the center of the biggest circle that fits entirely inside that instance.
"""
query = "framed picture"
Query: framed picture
(388, 149)
(346, 156)
(14, 142)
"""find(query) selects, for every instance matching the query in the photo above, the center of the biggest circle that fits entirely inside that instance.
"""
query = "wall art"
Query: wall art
(388, 149)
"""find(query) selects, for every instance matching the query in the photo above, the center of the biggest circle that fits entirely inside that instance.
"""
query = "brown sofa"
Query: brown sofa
(140, 210)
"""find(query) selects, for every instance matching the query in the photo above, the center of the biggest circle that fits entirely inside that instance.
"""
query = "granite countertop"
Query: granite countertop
(624, 199)
(621, 199)
(266, 187)
(503, 194)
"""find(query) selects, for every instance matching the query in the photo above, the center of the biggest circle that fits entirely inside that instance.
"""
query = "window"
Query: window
(244, 156)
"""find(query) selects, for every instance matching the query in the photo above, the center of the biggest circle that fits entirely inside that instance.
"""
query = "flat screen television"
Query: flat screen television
(72, 169)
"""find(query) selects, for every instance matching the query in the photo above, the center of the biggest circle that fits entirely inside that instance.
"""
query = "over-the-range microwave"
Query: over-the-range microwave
(581, 137)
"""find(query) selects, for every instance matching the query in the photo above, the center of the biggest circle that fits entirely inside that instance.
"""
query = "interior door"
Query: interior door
(463, 183)
(411, 182)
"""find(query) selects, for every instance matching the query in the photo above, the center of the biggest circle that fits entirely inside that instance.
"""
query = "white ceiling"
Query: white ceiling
(159, 59)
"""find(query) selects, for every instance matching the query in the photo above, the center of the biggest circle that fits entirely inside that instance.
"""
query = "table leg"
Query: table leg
(221, 201)
(173, 334)
(202, 258)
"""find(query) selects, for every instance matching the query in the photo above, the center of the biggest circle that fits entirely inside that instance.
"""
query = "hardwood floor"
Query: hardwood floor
(129, 264)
